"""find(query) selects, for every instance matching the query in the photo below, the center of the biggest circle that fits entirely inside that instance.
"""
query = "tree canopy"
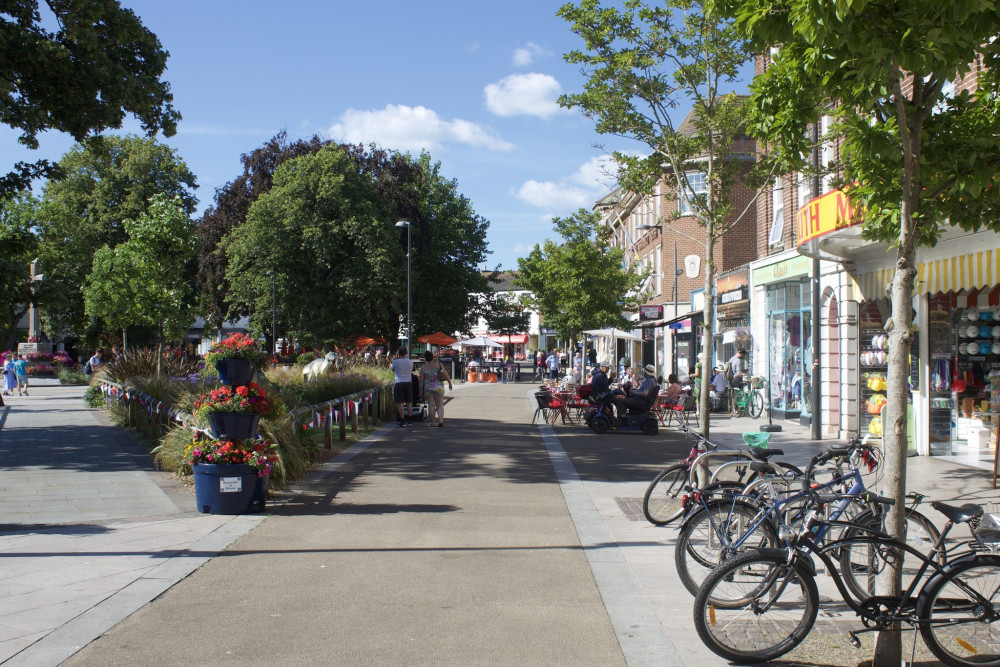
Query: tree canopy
(106, 181)
(18, 219)
(579, 284)
(147, 279)
(643, 61)
(232, 203)
(95, 64)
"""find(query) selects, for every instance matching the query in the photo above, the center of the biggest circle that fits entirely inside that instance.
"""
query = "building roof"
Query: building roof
(506, 281)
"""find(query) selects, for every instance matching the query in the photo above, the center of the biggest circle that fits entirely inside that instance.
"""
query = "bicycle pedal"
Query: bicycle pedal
(853, 638)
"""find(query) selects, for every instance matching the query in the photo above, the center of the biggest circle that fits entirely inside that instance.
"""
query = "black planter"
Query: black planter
(233, 425)
(229, 489)
(234, 372)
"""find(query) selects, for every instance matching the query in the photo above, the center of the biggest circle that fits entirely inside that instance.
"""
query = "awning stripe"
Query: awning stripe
(970, 271)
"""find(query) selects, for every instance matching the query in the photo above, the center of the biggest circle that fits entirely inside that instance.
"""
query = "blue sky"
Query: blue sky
(473, 82)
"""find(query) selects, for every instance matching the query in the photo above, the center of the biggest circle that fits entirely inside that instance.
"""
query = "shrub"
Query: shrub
(305, 358)
(94, 397)
(41, 369)
(142, 362)
(70, 376)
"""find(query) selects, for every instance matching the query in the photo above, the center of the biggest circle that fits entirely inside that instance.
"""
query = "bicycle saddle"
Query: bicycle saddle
(958, 514)
(764, 454)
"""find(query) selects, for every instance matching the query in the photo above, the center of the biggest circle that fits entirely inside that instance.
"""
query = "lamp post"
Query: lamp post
(274, 314)
(409, 283)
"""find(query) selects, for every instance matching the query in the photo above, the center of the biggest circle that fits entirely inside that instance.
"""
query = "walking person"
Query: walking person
(21, 373)
(433, 377)
(402, 391)
(9, 379)
(553, 363)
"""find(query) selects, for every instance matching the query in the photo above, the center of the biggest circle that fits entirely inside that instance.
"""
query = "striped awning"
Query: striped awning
(951, 274)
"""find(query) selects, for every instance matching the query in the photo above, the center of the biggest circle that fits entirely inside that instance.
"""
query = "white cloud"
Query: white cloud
(403, 128)
(548, 194)
(526, 94)
(526, 54)
(594, 179)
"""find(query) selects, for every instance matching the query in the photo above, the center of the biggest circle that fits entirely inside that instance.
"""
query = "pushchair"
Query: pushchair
(418, 409)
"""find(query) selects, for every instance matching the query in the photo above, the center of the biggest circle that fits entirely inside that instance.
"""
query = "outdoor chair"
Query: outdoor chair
(543, 399)
(682, 411)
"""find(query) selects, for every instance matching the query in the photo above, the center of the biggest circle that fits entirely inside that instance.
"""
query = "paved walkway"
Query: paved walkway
(487, 541)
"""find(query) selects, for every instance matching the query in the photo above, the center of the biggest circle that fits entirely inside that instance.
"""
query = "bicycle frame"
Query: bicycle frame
(773, 509)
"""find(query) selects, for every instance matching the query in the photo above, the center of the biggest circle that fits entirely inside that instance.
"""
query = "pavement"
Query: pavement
(488, 541)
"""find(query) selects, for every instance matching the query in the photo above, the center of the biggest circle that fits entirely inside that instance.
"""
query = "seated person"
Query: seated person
(673, 393)
(719, 387)
(599, 380)
(644, 397)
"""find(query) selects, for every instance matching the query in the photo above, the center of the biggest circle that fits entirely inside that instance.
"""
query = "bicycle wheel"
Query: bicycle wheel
(665, 496)
(863, 556)
(756, 607)
(705, 539)
(958, 612)
(756, 407)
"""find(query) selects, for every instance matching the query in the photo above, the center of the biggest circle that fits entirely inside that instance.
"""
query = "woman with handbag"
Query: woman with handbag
(433, 377)
(9, 379)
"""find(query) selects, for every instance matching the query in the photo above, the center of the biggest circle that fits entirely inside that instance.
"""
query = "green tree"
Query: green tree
(98, 64)
(350, 275)
(330, 244)
(18, 219)
(232, 203)
(146, 280)
(579, 284)
(643, 61)
(916, 157)
(505, 314)
(105, 182)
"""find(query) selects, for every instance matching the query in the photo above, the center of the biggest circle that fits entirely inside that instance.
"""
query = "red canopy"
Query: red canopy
(438, 338)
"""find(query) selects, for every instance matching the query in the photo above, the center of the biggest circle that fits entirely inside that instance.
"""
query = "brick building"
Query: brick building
(659, 233)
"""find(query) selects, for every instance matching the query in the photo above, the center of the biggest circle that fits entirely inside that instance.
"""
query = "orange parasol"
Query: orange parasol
(438, 338)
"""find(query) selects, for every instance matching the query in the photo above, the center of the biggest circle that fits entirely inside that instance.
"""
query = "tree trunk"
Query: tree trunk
(708, 314)
(888, 648)
(159, 357)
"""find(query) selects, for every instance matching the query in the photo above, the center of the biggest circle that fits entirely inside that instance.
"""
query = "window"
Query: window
(805, 189)
(778, 218)
(827, 155)
(698, 184)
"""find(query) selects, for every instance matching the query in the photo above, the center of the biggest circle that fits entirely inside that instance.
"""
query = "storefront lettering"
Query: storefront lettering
(826, 214)
(732, 296)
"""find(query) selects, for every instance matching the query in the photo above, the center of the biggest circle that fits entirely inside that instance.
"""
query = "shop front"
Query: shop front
(732, 300)
(782, 290)
(956, 378)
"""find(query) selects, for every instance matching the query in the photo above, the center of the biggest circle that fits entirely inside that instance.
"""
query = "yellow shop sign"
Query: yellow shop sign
(826, 214)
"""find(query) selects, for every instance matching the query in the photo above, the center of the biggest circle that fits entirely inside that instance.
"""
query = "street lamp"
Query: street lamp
(274, 314)
(409, 284)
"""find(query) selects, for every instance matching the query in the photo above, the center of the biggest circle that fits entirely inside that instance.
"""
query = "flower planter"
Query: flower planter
(473, 376)
(229, 489)
(233, 425)
(234, 372)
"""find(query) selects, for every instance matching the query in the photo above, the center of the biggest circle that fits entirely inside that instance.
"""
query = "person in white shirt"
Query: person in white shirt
(402, 391)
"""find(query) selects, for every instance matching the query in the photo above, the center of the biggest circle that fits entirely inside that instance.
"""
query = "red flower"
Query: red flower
(242, 391)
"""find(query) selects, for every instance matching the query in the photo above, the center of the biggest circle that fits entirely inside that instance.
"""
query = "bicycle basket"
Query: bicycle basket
(756, 383)
(757, 439)
(987, 532)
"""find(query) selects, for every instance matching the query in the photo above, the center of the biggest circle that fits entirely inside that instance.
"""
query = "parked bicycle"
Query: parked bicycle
(748, 400)
(759, 605)
(674, 490)
(725, 527)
